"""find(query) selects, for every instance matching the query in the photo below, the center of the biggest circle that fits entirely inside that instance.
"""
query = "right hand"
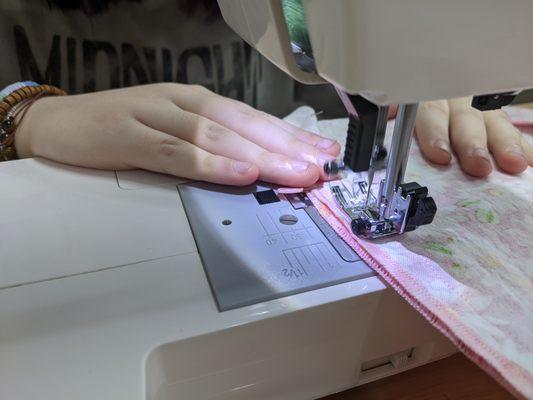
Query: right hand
(183, 130)
(478, 139)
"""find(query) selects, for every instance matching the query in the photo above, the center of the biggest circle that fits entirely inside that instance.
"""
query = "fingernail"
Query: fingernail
(442, 145)
(480, 153)
(242, 167)
(517, 151)
(325, 143)
(299, 166)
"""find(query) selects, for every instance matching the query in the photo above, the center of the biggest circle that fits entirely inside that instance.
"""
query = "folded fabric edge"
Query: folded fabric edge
(434, 320)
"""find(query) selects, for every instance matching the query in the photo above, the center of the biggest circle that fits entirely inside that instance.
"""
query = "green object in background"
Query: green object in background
(297, 25)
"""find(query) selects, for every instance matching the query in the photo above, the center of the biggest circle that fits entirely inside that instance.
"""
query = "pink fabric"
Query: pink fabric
(470, 272)
(290, 190)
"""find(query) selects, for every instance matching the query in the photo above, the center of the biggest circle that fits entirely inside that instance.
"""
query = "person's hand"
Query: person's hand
(473, 135)
(183, 130)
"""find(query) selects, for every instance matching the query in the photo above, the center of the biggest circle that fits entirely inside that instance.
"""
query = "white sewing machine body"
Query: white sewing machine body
(401, 52)
(103, 295)
(380, 52)
(104, 289)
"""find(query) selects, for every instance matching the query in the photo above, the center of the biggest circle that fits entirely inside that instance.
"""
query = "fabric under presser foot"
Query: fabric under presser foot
(469, 272)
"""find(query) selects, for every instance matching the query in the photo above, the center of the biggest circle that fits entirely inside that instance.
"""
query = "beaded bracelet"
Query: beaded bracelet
(16, 99)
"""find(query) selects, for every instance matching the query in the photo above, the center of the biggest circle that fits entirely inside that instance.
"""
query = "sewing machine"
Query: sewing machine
(377, 53)
(132, 285)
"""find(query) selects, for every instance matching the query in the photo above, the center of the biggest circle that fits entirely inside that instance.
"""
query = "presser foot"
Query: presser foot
(398, 207)
(410, 207)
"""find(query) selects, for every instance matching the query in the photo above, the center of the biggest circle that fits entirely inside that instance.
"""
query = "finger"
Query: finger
(254, 126)
(170, 155)
(329, 146)
(505, 142)
(469, 137)
(250, 124)
(432, 131)
(217, 139)
(527, 145)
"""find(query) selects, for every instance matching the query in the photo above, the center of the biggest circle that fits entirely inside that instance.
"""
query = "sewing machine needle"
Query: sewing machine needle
(369, 187)
(381, 126)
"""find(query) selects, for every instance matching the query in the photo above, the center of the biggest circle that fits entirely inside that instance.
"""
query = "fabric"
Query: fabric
(470, 272)
(140, 42)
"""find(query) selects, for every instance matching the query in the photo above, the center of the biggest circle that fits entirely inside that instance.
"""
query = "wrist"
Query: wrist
(15, 100)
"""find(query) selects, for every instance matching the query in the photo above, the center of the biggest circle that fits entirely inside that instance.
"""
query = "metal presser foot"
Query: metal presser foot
(397, 207)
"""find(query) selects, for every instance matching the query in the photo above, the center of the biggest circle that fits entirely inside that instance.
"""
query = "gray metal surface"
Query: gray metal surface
(253, 253)
(345, 251)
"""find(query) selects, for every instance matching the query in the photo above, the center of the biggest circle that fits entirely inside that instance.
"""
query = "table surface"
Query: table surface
(452, 378)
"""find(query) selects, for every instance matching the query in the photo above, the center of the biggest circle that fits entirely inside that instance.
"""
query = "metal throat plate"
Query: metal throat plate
(256, 252)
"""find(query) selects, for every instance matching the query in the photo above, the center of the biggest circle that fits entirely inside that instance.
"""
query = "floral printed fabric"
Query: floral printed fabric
(470, 272)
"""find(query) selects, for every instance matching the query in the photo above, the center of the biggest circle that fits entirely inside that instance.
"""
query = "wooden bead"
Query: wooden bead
(26, 91)
(17, 96)
(10, 100)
